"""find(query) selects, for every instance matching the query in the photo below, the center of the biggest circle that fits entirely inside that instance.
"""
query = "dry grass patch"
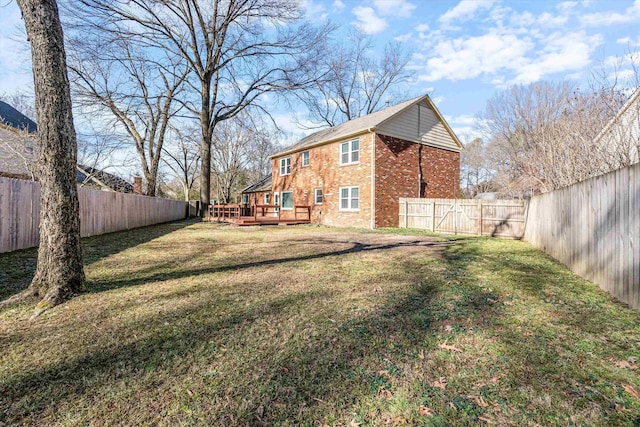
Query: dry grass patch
(192, 323)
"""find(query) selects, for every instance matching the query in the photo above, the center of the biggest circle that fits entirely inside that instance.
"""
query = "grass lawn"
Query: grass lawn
(200, 324)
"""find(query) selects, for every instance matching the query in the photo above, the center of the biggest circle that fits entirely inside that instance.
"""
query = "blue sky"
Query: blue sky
(464, 51)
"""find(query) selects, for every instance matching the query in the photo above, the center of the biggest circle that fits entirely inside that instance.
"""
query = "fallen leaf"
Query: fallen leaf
(421, 354)
(354, 423)
(485, 419)
(383, 373)
(624, 364)
(620, 408)
(507, 303)
(425, 410)
(445, 346)
(448, 328)
(480, 401)
(400, 420)
(384, 393)
(285, 369)
(440, 383)
(632, 391)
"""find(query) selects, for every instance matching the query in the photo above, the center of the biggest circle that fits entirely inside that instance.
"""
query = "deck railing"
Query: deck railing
(236, 212)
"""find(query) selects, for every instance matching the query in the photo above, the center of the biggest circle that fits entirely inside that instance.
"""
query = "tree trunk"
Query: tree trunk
(59, 273)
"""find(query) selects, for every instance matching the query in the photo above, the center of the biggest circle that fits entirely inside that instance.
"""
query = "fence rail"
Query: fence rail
(100, 212)
(593, 227)
(498, 218)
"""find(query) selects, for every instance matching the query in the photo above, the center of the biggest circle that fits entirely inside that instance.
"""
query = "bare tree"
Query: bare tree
(239, 154)
(238, 50)
(543, 136)
(355, 81)
(182, 157)
(59, 273)
(117, 73)
(477, 173)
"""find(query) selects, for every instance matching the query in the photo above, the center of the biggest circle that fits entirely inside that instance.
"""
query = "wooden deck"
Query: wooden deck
(258, 215)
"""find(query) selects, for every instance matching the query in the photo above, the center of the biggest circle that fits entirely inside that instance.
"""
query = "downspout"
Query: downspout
(373, 177)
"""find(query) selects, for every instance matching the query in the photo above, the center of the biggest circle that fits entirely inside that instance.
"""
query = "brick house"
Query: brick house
(353, 174)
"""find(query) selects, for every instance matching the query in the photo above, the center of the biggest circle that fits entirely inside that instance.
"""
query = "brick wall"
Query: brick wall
(397, 171)
(325, 172)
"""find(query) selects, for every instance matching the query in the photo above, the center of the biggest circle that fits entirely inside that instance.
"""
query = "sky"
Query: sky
(463, 52)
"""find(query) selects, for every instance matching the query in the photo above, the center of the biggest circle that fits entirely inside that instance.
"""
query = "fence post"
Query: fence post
(479, 217)
(406, 213)
(433, 217)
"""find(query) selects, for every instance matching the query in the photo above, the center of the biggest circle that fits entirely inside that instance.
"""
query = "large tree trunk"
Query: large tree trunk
(60, 271)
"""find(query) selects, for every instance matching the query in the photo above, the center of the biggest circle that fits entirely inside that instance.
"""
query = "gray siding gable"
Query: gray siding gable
(420, 123)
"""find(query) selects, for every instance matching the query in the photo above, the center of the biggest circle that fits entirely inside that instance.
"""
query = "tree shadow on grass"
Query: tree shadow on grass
(18, 267)
(304, 377)
(152, 274)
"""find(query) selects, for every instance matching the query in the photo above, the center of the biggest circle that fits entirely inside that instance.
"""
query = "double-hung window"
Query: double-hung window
(285, 166)
(266, 198)
(349, 198)
(245, 199)
(287, 200)
(317, 196)
(305, 158)
(350, 152)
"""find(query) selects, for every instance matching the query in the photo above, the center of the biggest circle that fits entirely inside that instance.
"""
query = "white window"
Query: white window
(350, 152)
(317, 196)
(305, 158)
(285, 166)
(287, 200)
(349, 198)
(266, 198)
(245, 199)
(276, 199)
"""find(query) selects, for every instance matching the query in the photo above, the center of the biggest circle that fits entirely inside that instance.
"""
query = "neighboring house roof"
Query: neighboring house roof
(16, 153)
(88, 176)
(15, 119)
(364, 124)
(263, 185)
(626, 109)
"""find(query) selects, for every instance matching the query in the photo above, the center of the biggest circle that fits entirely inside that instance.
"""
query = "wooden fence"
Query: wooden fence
(498, 218)
(593, 227)
(100, 212)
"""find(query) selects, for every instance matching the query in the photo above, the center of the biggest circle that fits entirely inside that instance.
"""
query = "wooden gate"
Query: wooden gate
(497, 218)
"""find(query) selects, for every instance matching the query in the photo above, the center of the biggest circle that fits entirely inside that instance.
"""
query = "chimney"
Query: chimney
(137, 185)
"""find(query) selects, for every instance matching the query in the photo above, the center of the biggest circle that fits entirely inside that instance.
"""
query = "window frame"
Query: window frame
(349, 198)
(302, 158)
(282, 200)
(285, 165)
(245, 198)
(350, 152)
(315, 196)
(266, 198)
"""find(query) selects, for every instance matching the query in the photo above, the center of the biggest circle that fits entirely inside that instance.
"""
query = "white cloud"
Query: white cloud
(465, 10)
(403, 38)
(314, 11)
(612, 17)
(466, 58)
(338, 5)
(422, 28)
(399, 8)
(367, 20)
(629, 41)
(562, 53)
(465, 126)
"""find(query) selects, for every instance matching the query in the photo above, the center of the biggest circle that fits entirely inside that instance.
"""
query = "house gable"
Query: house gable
(421, 123)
